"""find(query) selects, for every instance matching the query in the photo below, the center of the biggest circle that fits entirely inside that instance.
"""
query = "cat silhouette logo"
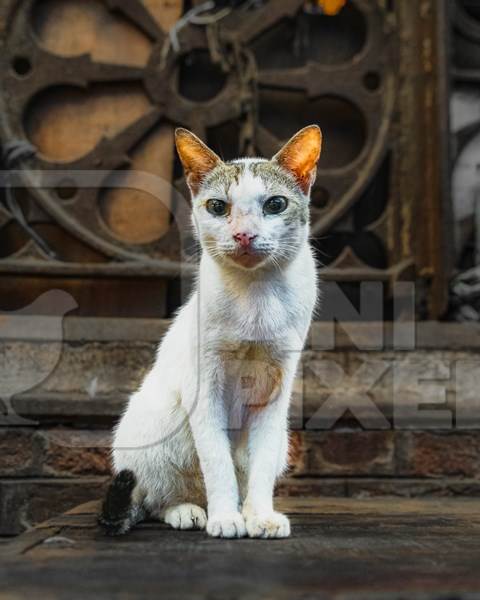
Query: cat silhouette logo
(22, 368)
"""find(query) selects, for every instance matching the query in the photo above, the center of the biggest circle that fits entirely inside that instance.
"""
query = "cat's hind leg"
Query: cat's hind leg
(185, 516)
(184, 506)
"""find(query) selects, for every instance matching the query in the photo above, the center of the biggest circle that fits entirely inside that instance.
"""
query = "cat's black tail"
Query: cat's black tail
(119, 513)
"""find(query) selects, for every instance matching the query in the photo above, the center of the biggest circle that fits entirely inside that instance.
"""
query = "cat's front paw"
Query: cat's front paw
(228, 525)
(267, 525)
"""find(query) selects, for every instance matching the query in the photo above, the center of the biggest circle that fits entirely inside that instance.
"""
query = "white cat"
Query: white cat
(207, 432)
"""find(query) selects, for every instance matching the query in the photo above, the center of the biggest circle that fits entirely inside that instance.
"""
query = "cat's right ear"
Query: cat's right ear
(300, 155)
(197, 158)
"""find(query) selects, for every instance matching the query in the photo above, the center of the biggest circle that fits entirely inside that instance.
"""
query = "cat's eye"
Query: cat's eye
(217, 208)
(275, 205)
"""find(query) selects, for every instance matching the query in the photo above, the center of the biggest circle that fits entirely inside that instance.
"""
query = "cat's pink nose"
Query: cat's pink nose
(244, 239)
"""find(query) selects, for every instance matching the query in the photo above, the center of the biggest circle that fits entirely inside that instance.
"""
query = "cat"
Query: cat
(203, 441)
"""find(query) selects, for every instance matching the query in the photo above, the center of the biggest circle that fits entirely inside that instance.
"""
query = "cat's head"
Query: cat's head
(251, 212)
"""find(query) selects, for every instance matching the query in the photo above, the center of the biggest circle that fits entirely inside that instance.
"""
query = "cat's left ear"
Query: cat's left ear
(300, 155)
(197, 158)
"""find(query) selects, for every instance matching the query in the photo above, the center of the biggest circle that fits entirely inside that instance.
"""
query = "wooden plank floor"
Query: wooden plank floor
(340, 548)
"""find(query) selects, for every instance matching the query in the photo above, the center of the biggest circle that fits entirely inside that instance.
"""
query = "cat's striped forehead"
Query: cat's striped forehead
(257, 175)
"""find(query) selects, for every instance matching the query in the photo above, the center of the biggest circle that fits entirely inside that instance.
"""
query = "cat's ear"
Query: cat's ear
(300, 155)
(197, 158)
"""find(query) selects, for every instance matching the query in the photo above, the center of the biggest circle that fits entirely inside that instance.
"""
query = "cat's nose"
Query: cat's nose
(244, 238)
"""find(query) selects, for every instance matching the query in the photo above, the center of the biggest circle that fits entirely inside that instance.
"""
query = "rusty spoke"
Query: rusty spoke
(109, 155)
(51, 71)
(112, 152)
(136, 12)
(83, 70)
(312, 79)
(116, 147)
(295, 79)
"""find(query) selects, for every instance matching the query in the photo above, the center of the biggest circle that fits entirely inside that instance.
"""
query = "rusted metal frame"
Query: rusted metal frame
(127, 269)
(47, 69)
(436, 261)
(248, 29)
(408, 157)
(111, 154)
(421, 208)
(108, 154)
(350, 182)
(378, 51)
(160, 86)
(181, 111)
(170, 269)
(353, 274)
(347, 183)
(231, 101)
(78, 71)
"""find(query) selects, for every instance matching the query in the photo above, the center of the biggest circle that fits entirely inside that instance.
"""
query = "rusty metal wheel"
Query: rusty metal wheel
(276, 68)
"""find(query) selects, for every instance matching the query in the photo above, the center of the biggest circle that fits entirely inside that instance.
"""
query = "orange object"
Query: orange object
(331, 7)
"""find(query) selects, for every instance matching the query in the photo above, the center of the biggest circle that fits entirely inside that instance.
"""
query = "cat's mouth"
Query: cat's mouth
(248, 258)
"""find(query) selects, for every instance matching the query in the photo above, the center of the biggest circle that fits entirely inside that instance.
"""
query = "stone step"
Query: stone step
(25, 502)
(72, 386)
(369, 487)
(88, 370)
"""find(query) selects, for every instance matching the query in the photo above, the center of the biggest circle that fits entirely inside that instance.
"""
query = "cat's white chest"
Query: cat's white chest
(260, 318)
(252, 377)
(263, 314)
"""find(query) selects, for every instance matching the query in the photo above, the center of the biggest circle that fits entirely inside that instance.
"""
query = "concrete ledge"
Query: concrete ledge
(90, 373)
(348, 336)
